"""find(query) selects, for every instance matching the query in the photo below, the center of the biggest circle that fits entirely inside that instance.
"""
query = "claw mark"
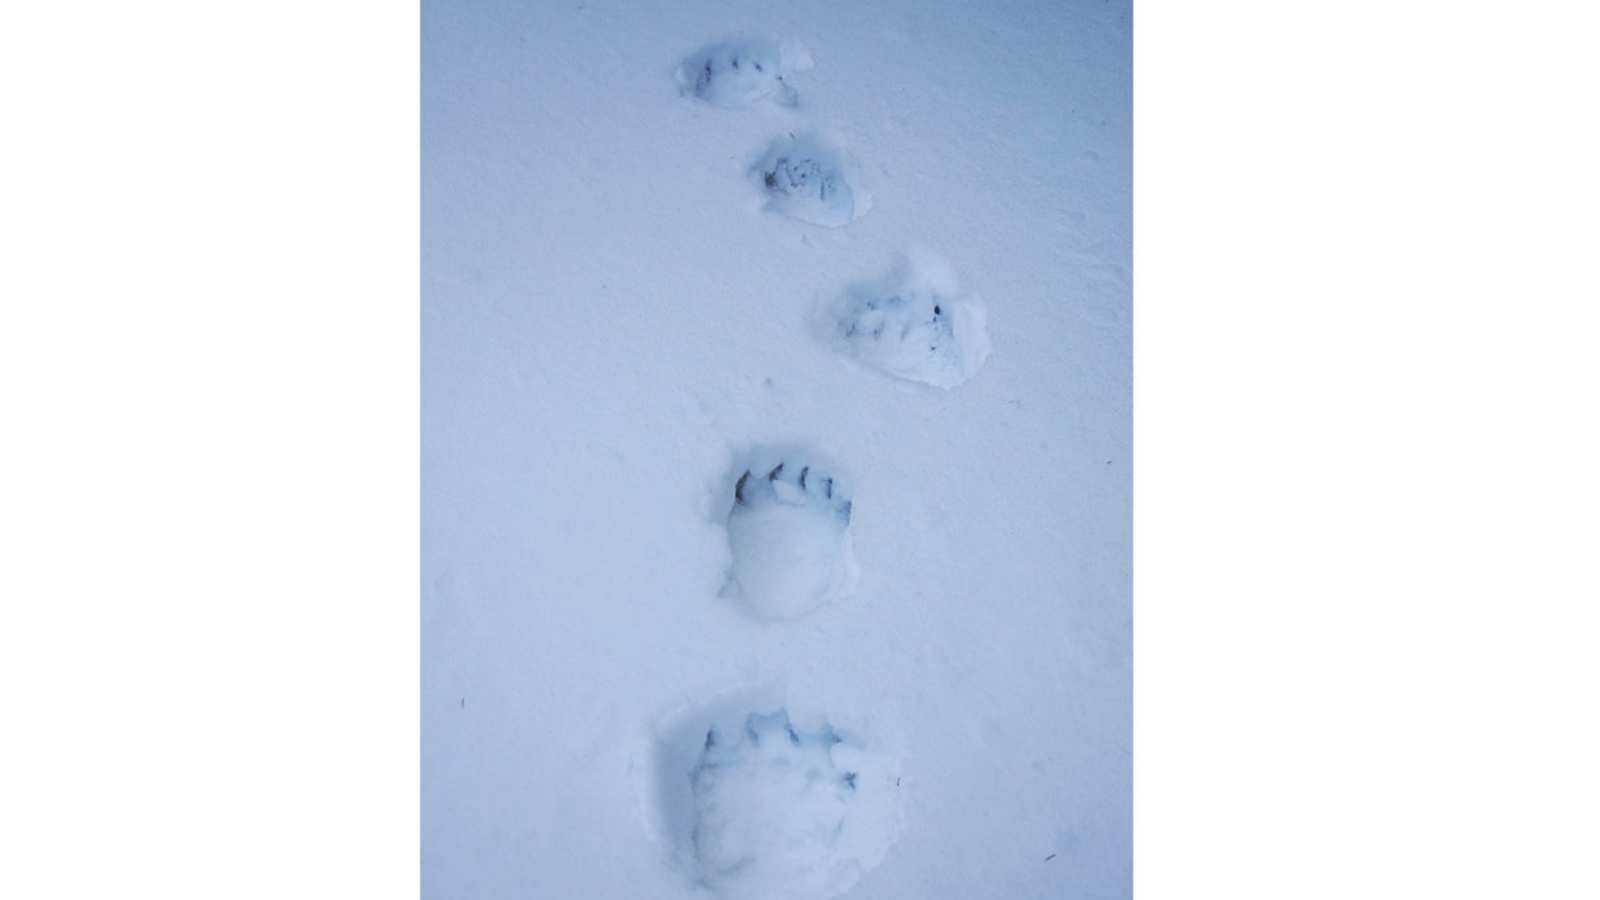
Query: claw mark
(850, 780)
(738, 489)
(803, 477)
(827, 488)
(773, 475)
(1050, 857)
(844, 511)
(711, 738)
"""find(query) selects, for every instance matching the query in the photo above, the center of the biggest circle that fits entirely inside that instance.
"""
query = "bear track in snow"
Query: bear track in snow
(781, 813)
(811, 179)
(789, 531)
(742, 73)
(914, 324)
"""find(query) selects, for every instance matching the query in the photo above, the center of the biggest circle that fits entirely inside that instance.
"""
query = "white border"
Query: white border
(1366, 452)
(208, 483)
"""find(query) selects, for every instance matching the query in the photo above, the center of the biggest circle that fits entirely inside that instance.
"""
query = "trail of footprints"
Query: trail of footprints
(755, 805)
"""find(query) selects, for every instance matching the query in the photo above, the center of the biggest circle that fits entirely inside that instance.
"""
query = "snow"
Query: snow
(615, 329)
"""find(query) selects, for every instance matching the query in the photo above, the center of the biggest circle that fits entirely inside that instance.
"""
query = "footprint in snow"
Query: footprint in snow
(789, 531)
(787, 813)
(808, 178)
(760, 794)
(736, 74)
(914, 324)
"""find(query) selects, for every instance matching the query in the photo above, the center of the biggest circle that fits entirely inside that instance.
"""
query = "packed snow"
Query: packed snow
(915, 679)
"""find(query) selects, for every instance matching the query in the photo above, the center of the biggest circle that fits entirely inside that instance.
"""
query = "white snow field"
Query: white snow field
(916, 688)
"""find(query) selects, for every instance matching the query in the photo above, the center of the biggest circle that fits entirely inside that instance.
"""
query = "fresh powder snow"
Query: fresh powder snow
(772, 547)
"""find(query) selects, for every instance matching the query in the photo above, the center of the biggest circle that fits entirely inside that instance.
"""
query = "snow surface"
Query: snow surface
(614, 330)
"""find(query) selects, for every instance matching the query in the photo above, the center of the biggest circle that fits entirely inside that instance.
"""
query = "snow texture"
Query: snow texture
(914, 324)
(735, 74)
(790, 535)
(808, 178)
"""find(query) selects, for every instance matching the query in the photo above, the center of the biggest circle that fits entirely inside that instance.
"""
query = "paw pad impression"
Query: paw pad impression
(807, 178)
(914, 324)
(736, 74)
(782, 813)
(789, 531)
